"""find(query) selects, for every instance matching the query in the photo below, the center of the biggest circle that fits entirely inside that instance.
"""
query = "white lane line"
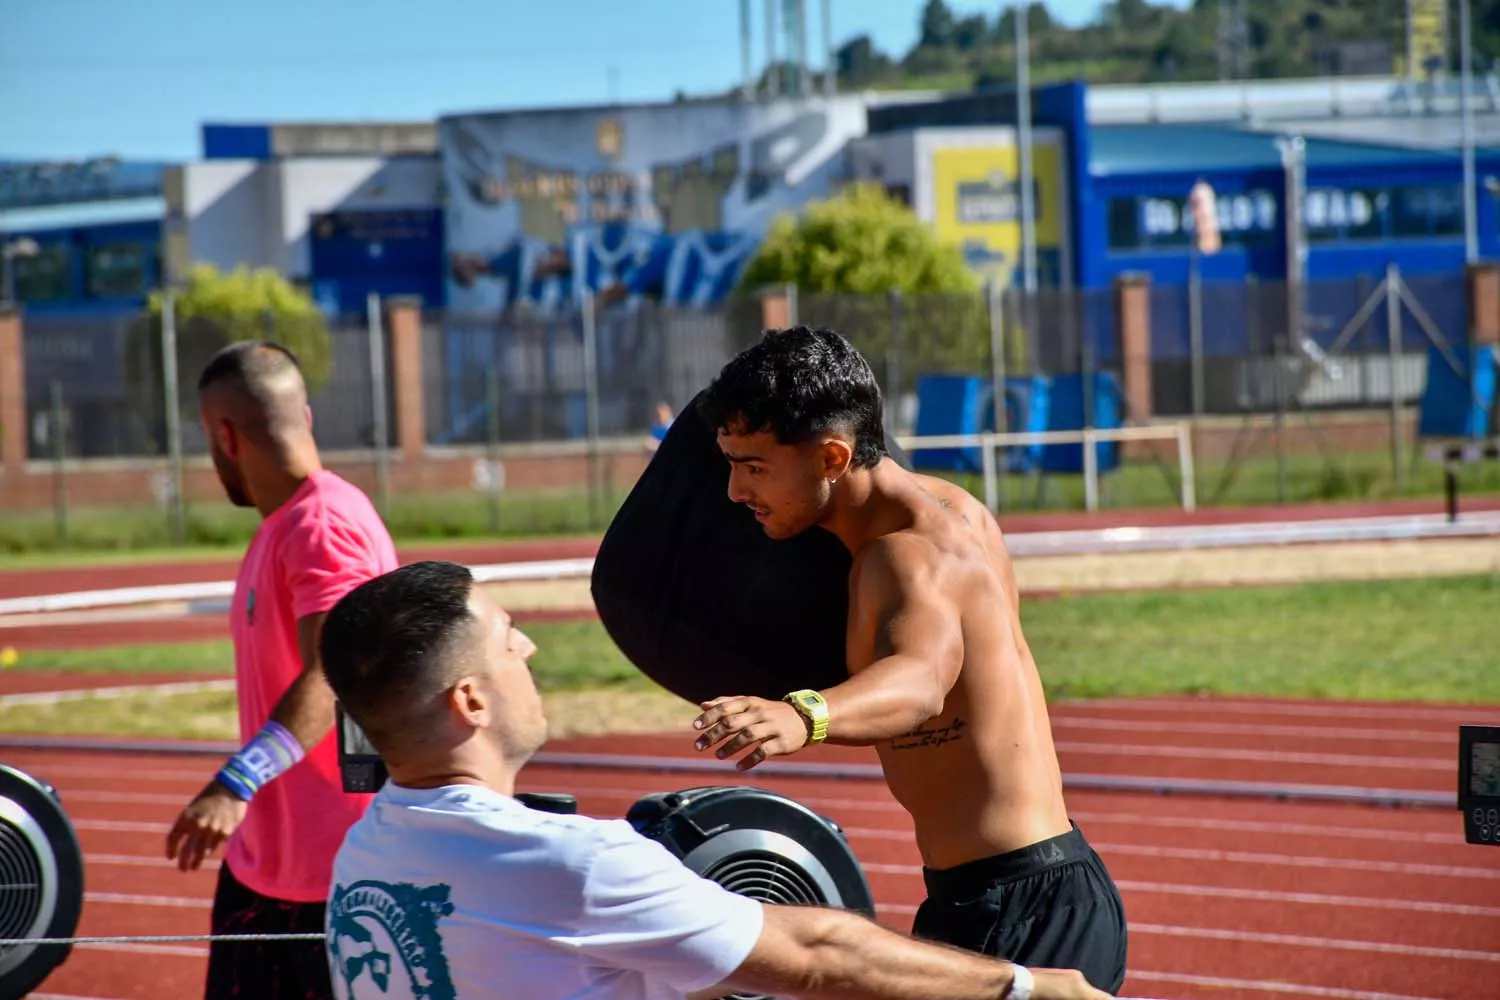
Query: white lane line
(544, 569)
(1106, 748)
(122, 798)
(1386, 736)
(1294, 940)
(179, 950)
(143, 861)
(1307, 898)
(1269, 986)
(1257, 826)
(1253, 858)
(133, 899)
(1298, 861)
(113, 693)
(1310, 707)
(114, 773)
(1307, 941)
(119, 826)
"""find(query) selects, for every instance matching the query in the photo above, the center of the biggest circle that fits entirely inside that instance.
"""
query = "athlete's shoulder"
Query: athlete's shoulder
(895, 562)
(332, 507)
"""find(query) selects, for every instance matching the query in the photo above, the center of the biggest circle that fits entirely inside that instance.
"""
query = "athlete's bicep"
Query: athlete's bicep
(309, 631)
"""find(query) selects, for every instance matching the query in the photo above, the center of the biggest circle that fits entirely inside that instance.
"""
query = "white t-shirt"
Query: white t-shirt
(460, 893)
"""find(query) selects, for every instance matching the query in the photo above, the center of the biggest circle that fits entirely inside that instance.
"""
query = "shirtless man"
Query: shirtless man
(941, 680)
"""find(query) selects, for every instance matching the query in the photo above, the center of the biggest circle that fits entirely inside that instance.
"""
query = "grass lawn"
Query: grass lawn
(213, 715)
(571, 656)
(185, 715)
(588, 684)
(213, 529)
(35, 539)
(1426, 639)
(1420, 640)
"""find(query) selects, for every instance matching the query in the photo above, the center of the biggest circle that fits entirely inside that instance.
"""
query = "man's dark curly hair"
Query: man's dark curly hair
(798, 384)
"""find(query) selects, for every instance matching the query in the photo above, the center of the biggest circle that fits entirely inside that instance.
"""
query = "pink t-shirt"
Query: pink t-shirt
(323, 542)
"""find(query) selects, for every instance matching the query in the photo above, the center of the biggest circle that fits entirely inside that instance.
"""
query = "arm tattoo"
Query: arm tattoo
(933, 737)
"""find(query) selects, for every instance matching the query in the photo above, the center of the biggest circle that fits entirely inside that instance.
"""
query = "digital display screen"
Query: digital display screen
(356, 743)
(1484, 769)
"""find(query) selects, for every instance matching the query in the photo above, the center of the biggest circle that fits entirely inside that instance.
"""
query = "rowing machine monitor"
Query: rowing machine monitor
(1479, 783)
(360, 767)
(362, 771)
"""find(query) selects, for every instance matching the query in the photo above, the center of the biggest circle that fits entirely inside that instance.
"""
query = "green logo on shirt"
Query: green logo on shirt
(384, 940)
(250, 605)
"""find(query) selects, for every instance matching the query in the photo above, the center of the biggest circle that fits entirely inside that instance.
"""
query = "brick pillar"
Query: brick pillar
(404, 321)
(12, 394)
(775, 310)
(1482, 286)
(1133, 323)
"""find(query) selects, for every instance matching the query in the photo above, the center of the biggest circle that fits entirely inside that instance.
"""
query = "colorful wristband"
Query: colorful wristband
(271, 753)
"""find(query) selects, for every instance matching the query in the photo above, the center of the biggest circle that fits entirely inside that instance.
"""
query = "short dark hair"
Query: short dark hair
(799, 383)
(387, 647)
(250, 362)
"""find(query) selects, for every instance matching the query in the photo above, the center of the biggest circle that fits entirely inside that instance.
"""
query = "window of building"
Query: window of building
(44, 277)
(1155, 222)
(116, 271)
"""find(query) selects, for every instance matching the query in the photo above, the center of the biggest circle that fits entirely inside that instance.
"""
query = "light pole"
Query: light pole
(1466, 119)
(1023, 135)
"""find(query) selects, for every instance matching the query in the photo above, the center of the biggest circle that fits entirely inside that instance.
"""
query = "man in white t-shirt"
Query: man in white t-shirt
(451, 889)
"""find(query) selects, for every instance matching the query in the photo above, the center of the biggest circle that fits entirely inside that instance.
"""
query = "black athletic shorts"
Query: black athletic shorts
(239, 970)
(1052, 905)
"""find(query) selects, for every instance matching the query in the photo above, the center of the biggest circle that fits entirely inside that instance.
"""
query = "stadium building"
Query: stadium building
(479, 211)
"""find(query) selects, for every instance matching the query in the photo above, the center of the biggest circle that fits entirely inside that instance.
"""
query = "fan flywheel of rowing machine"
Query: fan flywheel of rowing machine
(41, 881)
(758, 844)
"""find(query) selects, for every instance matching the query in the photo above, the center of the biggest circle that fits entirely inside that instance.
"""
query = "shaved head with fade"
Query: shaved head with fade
(424, 662)
(260, 378)
(253, 400)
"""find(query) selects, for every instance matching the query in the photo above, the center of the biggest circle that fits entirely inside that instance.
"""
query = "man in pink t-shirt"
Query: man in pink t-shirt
(279, 802)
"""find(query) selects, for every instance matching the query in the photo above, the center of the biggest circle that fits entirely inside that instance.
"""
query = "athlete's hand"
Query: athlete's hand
(773, 728)
(207, 822)
(1062, 984)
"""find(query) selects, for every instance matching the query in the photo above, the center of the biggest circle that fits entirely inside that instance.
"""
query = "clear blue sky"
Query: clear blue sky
(136, 78)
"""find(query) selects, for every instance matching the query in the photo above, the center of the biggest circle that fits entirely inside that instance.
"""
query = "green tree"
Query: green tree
(214, 309)
(936, 26)
(860, 62)
(860, 242)
(849, 255)
(971, 33)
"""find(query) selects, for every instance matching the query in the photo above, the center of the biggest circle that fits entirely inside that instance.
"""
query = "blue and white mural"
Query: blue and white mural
(665, 202)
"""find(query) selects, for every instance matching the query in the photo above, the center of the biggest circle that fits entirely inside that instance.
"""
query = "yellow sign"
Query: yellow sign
(1429, 37)
(977, 206)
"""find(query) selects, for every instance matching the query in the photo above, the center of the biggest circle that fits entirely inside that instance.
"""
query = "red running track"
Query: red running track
(166, 570)
(203, 627)
(1230, 899)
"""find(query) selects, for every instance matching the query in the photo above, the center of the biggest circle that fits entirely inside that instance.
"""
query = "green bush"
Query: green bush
(214, 309)
(861, 242)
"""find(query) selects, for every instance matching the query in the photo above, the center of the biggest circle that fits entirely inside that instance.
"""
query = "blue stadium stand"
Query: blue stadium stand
(964, 404)
(1458, 406)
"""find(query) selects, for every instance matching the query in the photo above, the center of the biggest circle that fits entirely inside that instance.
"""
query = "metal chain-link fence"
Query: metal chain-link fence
(534, 423)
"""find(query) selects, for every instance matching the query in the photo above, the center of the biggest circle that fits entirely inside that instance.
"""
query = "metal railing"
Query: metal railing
(990, 444)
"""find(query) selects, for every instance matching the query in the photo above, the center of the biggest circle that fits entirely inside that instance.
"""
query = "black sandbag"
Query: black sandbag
(700, 600)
